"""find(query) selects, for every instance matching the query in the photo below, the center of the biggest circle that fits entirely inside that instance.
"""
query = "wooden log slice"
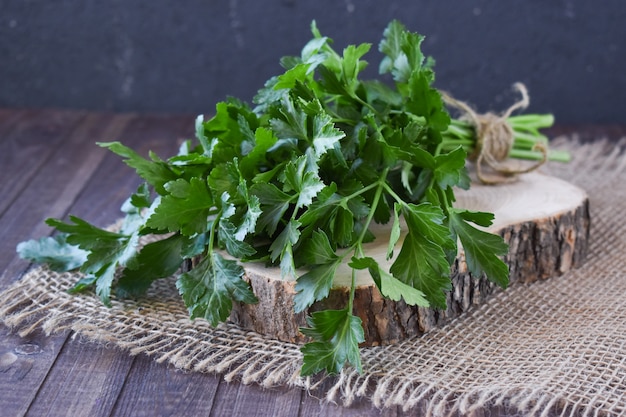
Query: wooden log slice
(544, 220)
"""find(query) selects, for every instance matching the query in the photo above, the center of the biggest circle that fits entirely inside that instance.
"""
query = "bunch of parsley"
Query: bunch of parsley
(297, 181)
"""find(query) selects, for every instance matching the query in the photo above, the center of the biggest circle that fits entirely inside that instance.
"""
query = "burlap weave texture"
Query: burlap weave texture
(554, 345)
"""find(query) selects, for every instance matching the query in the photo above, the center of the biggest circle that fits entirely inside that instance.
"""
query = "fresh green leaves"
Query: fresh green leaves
(316, 283)
(54, 251)
(274, 203)
(298, 182)
(337, 334)
(482, 249)
(210, 288)
(107, 251)
(388, 285)
(156, 260)
(422, 262)
(403, 55)
(156, 172)
(186, 207)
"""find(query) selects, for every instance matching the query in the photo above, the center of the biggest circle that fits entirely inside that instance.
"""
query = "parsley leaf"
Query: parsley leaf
(426, 101)
(206, 146)
(282, 248)
(185, 208)
(55, 251)
(156, 172)
(391, 46)
(351, 65)
(302, 178)
(210, 288)
(482, 249)
(315, 284)
(388, 285)
(337, 334)
(318, 250)
(156, 260)
(422, 261)
(228, 236)
(274, 203)
(256, 158)
(248, 223)
(450, 170)
(107, 251)
(394, 235)
(325, 135)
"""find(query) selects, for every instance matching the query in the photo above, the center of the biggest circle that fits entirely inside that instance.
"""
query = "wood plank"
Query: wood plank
(24, 362)
(9, 119)
(50, 193)
(32, 139)
(53, 189)
(153, 389)
(87, 386)
(314, 406)
(236, 399)
(7, 114)
(99, 202)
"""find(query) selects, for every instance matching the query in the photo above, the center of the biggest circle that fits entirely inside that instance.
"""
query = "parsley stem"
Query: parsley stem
(334, 115)
(381, 184)
(359, 192)
(536, 121)
(444, 201)
(352, 291)
(393, 194)
(209, 247)
(526, 136)
(365, 104)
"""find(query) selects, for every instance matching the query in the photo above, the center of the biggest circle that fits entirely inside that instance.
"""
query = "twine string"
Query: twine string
(495, 138)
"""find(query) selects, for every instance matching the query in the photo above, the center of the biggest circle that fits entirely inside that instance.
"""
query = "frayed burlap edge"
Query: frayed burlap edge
(156, 325)
(552, 345)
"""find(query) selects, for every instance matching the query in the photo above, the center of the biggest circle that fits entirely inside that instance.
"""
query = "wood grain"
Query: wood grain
(104, 186)
(544, 220)
(28, 146)
(150, 386)
(64, 165)
(97, 374)
(237, 400)
(24, 363)
(21, 220)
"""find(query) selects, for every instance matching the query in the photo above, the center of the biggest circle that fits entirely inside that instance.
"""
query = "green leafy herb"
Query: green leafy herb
(54, 251)
(337, 334)
(185, 208)
(298, 181)
(210, 288)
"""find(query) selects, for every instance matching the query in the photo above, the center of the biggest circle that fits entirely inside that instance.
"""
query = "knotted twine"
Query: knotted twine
(495, 137)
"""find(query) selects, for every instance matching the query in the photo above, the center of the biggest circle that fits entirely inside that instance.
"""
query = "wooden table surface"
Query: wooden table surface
(50, 167)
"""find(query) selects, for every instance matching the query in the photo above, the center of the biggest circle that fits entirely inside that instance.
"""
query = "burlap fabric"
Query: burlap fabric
(552, 346)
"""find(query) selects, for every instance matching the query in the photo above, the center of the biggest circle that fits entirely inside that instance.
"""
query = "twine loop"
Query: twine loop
(495, 138)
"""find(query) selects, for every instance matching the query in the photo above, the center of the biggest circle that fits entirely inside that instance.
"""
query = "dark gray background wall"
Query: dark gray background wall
(184, 56)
